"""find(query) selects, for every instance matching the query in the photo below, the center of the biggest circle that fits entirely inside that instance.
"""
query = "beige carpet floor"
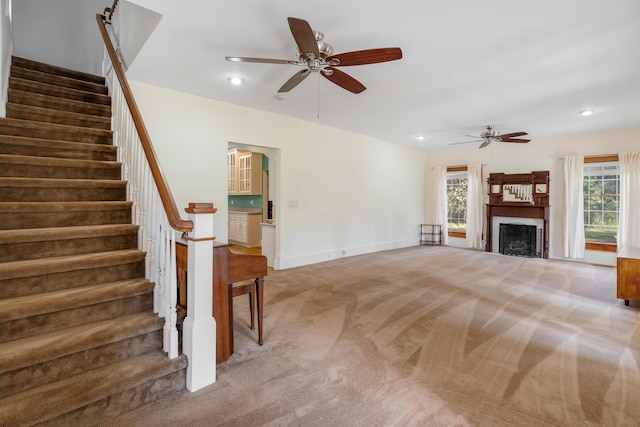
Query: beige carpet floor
(426, 336)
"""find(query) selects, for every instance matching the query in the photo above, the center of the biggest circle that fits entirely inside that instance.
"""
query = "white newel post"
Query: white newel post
(199, 327)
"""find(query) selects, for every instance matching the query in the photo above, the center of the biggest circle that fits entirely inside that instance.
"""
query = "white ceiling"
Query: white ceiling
(522, 65)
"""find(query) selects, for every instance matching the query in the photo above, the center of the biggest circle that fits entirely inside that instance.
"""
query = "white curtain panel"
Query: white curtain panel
(629, 219)
(440, 188)
(475, 205)
(573, 207)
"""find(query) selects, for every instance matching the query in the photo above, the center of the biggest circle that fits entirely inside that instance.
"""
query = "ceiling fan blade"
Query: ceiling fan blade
(485, 143)
(514, 140)
(304, 37)
(261, 60)
(465, 142)
(511, 135)
(370, 56)
(295, 80)
(344, 80)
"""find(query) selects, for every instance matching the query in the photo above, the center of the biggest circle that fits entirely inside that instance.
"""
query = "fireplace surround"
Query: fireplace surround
(519, 196)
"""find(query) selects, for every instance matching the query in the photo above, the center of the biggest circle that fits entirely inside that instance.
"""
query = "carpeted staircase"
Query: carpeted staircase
(79, 342)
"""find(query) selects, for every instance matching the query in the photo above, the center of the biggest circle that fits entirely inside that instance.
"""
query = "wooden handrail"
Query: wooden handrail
(166, 197)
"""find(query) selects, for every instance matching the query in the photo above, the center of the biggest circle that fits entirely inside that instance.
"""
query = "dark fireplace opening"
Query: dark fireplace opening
(520, 240)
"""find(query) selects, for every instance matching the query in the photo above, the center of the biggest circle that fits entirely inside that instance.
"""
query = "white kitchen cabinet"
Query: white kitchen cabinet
(244, 172)
(244, 228)
(232, 171)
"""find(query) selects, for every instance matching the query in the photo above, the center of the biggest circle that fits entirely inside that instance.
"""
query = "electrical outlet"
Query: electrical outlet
(252, 202)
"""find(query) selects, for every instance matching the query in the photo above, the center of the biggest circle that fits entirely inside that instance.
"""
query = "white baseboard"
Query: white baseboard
(314, 258)
(591, 257)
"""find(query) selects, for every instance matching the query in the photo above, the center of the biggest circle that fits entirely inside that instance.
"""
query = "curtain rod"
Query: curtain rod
(461, 166)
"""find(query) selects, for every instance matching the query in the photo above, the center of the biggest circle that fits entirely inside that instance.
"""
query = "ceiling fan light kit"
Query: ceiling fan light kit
(316, 55)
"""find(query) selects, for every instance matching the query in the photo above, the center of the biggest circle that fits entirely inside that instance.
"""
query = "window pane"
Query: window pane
(610, 219)
(610, 203)
(596, 218)
(611, 187)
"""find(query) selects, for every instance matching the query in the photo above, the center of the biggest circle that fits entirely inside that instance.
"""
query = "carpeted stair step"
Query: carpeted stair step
(22, 317)
(37, 147)
(52, 354)
(46, 115)
(25, 379)
(15, 215)
(52, 131)
(57, 80)
(45, 167)
(60, 190)
(43, 348)
(99, 394)
(53, 69)
(24, 244)
(59, 91)
(16, 96)
(28, 277)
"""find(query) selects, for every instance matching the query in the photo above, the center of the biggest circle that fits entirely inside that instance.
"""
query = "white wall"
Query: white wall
(6, 46)
(539, 155)
(61, 32)
(354, 194)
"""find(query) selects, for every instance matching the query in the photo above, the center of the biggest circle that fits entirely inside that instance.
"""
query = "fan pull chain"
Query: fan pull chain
(318, 112)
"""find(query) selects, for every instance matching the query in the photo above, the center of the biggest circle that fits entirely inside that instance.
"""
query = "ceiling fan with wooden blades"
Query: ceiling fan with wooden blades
(315, 55)
(490, 135)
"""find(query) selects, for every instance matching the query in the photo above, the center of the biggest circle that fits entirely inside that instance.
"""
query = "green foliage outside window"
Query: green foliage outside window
(601, 187)
(457, 201)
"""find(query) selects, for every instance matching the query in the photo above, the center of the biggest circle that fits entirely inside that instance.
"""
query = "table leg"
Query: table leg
(259, 302)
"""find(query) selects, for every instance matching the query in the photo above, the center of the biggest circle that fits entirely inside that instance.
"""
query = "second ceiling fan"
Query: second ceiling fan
(315, 55)
(490, 135)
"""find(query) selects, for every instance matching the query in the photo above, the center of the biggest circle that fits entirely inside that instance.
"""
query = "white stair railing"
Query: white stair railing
(155, 212)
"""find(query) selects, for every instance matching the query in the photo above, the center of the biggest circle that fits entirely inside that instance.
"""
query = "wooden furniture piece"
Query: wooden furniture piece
(228, 268)
(430, 234)
(522, 195)
(628, 269)
(243, 289)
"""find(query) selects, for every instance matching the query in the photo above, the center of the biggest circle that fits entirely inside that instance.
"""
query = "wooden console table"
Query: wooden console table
(228, 268)
(628, 269)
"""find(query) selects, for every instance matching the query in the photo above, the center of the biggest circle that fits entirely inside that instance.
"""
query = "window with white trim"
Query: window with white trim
(457, 201)
(601, 202)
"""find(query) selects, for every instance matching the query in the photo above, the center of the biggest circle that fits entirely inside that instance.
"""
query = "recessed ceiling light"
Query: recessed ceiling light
(235, 80)
(420, 137)
(585, 112)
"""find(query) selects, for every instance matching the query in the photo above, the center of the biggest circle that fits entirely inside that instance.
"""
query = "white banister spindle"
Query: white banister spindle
(155, 236)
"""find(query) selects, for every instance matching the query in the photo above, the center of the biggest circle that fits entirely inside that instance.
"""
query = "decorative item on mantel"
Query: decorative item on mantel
(531, 188)
(522, 195)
